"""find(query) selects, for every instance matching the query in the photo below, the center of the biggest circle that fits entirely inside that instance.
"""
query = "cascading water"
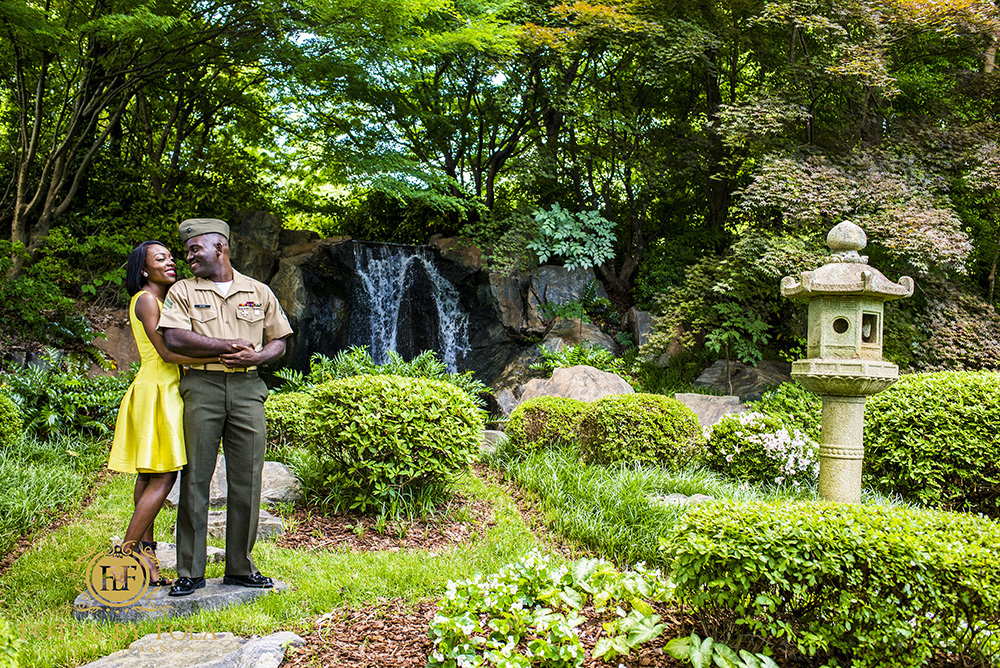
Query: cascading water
(402, 303)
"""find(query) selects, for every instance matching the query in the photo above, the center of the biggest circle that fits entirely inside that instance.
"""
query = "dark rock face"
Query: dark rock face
(254, 243)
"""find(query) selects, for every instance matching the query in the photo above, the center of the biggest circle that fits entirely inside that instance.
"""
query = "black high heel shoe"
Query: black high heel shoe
(148, 550)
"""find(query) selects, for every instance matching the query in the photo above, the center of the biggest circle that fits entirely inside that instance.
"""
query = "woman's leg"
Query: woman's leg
(148, 502)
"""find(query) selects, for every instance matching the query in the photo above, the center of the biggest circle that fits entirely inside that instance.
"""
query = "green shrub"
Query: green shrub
(641, 428)
(286, 418)
(866, 585)
(10, 421)
(759, 448)
(387, 441)
(544, 422)
(934, 438)
(9, 645)
(795, 406)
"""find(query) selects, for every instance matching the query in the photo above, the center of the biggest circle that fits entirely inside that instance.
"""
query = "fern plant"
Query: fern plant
(56, 397)
(584, 353)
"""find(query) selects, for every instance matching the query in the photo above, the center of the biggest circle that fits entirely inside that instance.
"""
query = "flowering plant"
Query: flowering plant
(757, 447)
(527, 614)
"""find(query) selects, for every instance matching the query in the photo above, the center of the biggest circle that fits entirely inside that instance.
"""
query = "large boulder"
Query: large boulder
(584, 383)
(710, 408)
(749, 382)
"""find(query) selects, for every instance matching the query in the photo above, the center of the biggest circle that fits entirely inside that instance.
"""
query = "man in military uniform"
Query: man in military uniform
(221, 313)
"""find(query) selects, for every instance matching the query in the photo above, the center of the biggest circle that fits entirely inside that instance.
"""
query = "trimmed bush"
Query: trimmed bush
(11, 425)
(865, 585)
(389, 441)
(934, 438)
(759, 448)
(286, 418)
(641, 428)
(544, 422)
(795, 406)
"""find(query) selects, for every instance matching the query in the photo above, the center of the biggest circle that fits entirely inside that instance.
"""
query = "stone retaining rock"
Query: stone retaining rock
(201, 650)
(159, 605)
(278, 484)
(268, 526)
(166, 554)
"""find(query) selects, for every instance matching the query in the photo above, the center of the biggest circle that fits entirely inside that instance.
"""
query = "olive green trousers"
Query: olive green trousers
(227, 407)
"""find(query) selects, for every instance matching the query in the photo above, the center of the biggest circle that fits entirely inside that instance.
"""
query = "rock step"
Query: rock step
(201, 650)
(166, 554)
(158, 604)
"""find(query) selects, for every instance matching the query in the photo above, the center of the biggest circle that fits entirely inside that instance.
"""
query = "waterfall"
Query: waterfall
(402, 303)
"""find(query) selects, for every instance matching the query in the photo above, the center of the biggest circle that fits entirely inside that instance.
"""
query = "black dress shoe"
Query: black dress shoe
(186, 586)
(255, 580)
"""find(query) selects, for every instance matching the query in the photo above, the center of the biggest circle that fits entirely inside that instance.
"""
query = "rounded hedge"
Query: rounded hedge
(544, 422)
(640, 428)
(934, 438)
(385, 440)
(286, 418)
(11, 425)
(759, 448)
(855, 583)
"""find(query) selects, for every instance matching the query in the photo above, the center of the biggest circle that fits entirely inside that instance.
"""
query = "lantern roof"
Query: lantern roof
(846, 272)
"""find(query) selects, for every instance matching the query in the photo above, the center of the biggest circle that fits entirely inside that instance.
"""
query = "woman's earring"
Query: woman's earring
(145, 275)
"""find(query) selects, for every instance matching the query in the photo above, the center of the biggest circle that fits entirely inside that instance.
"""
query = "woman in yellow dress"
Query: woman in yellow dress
(149, 433)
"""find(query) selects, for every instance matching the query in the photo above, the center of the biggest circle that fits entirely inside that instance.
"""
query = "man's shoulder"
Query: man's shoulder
(183, 285)
(252, 283)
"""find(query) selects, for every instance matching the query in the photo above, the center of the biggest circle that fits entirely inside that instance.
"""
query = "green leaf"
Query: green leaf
(701, 652)
(749, 660)
(609, 648)
(679, 648)
(645, 630)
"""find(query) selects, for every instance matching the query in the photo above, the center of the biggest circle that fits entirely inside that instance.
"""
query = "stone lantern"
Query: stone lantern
(845, 365)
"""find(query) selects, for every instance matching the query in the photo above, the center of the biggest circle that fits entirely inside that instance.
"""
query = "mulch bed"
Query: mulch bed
(309, 529)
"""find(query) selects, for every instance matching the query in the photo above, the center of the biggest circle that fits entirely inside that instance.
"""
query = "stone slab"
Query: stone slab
(166, 554)
(158, 604)
(201, 650)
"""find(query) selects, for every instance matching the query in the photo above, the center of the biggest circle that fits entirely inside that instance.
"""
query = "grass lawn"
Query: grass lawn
(37, 594)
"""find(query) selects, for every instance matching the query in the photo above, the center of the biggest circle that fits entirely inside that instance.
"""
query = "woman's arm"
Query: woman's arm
(148, 312)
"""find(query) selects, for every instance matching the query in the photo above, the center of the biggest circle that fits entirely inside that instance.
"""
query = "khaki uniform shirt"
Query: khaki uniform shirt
(250, 311)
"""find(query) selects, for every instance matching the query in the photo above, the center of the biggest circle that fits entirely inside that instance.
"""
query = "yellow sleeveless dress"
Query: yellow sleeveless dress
(149, 433)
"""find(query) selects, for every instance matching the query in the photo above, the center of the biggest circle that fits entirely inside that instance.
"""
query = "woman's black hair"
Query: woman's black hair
(136, 265)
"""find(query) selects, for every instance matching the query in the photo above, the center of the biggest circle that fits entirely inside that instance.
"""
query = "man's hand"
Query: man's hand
(243, 355)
